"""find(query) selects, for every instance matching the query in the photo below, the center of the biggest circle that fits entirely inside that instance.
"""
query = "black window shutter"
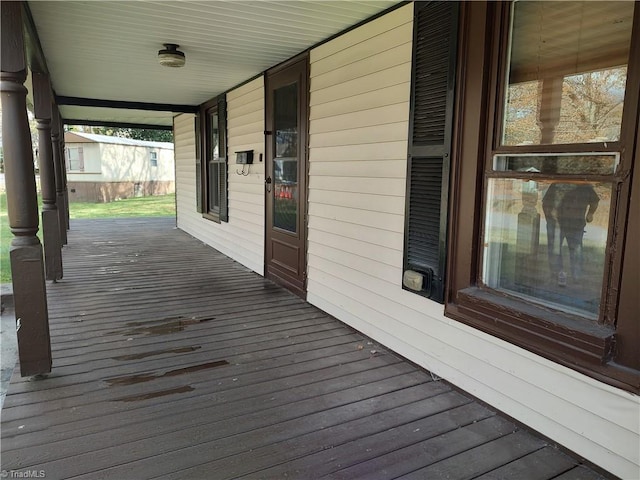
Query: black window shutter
(199, 206)
(222, 166)
(432, 99)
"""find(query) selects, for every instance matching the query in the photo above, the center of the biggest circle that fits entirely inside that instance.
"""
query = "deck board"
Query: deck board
(173, 361)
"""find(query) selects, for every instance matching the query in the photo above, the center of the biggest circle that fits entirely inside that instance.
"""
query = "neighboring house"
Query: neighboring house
(101, 168)
(399, 181)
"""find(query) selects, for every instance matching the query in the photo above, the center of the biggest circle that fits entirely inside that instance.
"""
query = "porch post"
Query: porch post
(50, 219)
(27, 264)
(549, 109)
(58, 169)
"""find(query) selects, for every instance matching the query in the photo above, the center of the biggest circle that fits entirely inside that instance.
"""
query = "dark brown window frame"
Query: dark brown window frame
(605, 350)
(214, 106)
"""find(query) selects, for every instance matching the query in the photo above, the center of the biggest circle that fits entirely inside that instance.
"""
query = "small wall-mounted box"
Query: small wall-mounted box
(245, 157)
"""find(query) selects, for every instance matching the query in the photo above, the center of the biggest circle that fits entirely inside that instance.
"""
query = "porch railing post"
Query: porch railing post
(27, 262)
(50, 217)
(58, 171)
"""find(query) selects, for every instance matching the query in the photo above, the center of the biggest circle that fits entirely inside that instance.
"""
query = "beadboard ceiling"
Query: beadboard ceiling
(107, 50)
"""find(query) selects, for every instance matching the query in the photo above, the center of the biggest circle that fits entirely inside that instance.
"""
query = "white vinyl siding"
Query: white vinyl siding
(359, 110)
(242, 237)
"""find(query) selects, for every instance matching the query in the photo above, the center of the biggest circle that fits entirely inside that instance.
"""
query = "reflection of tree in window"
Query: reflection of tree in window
(590, 109)
(521, 123)
(592, 106)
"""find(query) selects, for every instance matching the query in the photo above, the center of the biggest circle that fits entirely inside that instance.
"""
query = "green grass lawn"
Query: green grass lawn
(157, 206)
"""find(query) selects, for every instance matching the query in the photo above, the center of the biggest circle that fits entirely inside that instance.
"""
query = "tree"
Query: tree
(592, 106)
(133, 133)
(152, 135)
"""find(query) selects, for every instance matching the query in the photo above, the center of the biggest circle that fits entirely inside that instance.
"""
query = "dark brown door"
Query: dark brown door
(286, 176)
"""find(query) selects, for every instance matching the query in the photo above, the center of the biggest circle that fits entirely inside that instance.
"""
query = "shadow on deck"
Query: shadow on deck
(172, 361)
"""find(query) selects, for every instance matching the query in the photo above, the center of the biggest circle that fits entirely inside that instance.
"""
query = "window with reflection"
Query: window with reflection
(545, 236)
(549, 191)
(566, 79)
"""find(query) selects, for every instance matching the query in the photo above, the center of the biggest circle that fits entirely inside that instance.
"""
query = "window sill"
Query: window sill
(535, 328)
(578, 344)
(213, 218)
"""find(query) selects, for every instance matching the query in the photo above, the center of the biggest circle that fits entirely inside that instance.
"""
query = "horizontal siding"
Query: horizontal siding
(389, 77)
(393, 95)
(383, 238)
(359, 110)
(372, 185)
(360, 35)
(242, 237)
(361, 168)
(364, 118)
(360, 201)
(379, 151)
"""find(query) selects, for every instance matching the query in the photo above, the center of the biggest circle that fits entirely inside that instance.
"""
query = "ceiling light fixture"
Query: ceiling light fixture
(170, 56)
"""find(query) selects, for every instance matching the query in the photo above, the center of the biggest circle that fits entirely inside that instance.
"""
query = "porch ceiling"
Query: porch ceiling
(108, 50)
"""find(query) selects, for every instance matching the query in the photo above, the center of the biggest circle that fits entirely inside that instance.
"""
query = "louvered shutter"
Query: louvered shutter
(199, 202)
(222, 165)
(432, 98)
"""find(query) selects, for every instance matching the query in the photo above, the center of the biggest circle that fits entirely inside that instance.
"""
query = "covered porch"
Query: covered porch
(158, 356)
(153, 377)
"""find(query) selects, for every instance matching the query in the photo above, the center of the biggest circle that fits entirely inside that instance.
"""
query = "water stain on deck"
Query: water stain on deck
(133, 379)
(160, 393)
(167, 325)
(139, 356)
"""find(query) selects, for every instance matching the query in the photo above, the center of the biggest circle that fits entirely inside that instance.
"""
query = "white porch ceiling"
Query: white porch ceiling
(107, 50)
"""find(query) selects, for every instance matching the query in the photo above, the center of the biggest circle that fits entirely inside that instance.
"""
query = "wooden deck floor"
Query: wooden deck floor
(172, 361)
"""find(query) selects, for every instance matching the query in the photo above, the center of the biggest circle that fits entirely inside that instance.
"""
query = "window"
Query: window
(543, 172)
(75, 159)
(212, 172)
(153, 159)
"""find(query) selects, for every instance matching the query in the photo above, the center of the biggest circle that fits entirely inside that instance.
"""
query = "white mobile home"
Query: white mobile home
(102, 168)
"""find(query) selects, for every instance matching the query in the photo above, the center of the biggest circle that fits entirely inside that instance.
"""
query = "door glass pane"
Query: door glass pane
(285, 161)
(566, 79)
(545, 241)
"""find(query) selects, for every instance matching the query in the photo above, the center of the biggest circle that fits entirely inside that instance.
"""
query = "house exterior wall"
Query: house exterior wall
(132, 163)
(242, 237)
(105, 162)
(113, 171)
(359, 110)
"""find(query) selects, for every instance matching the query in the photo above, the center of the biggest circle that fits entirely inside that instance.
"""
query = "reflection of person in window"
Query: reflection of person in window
(567, 208)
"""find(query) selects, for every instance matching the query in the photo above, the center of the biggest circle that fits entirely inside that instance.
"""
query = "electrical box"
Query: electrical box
(245, 157)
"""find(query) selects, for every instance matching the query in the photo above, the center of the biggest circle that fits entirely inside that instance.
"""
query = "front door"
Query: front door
(286, 176)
